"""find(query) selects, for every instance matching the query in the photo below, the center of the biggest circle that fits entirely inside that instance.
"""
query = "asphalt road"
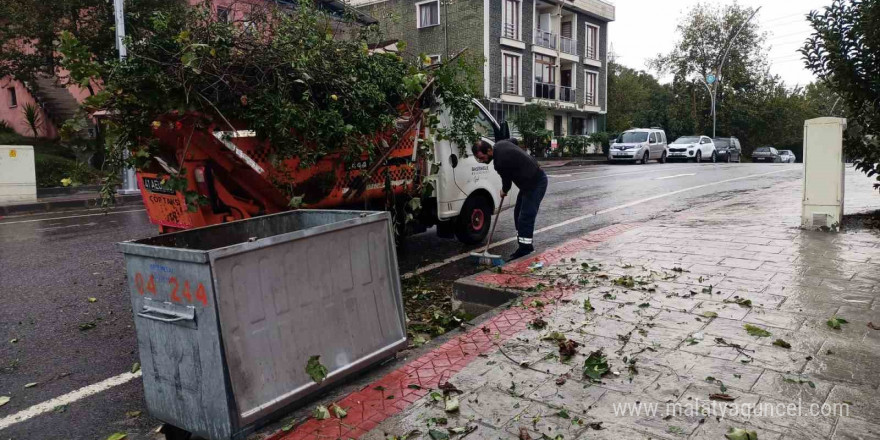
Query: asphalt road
(52, 264)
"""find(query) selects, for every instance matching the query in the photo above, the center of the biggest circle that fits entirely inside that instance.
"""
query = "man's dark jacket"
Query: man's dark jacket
(515, 165)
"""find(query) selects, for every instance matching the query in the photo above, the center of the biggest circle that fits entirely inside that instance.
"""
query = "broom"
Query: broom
(485, 258)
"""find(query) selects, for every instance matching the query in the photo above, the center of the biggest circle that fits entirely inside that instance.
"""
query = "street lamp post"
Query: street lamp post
(129, 179)
(715, 79)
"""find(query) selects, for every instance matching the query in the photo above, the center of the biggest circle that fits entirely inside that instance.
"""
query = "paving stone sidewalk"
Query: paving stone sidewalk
(667, 305)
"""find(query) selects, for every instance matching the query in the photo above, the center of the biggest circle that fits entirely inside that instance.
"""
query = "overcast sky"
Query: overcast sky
(645, 28)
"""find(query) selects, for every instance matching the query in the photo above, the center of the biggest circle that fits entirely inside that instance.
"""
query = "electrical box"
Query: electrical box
(18, 179)
(823, 173)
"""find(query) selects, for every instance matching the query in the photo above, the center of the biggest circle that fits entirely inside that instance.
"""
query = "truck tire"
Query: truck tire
(174, 433)
(474, 220)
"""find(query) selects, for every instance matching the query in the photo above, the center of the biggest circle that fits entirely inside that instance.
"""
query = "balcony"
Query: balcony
(567, 94)
(545, 90)
(545, 39)
(510, 85)
(510, 30)
(568, 45)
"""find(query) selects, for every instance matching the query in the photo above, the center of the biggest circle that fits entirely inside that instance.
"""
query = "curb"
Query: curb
(403, 387)
(52, 205)
(573, 162)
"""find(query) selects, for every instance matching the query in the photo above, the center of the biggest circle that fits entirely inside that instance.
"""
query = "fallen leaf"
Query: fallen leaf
(315, 370)
(321, 412)
(117, 436)
(564, 414)
(754, 330)
(722, 397)
(560, 381)
(644, 305)
(537, 324)
(436, 396)
(437, 435)
(740, 434)
(419, 341)
(289, 426)
(135, 367)
(60, 409)
(448, 387)
(414, 386)
(567, 349)
(596, 365)
(587, 306)
(710, 314)
(93, 299)
(782, 343)
(835, 322)
(87, 326)
(4, 400)
(596, 426)
(339, 412)
(524, 434)
(30, 385)
(873, 327)
(451, 404)
(554, 336)
(133, 414)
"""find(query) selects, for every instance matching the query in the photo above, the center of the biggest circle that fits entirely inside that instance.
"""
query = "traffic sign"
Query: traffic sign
(710, 78)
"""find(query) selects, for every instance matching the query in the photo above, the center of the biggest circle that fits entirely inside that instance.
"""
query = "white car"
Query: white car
(696, 148)
(639, 145)
(787, 156)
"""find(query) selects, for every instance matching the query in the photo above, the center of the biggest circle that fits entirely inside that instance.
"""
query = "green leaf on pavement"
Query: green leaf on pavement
(436, 396)
(4, 400)
(596, 365)
(30, 385)
(288, 426)
(315, 370)
(754, 330)
(554, 336)
(438, 435)
(135, 367)
(644, 305)
(587, 306)
(835, 322)
(564, 414)
(93, 299)
(117, 436)
(87, 326)
(321, 412)
(133, 414)
(781, 343)
(419, 341)
(339, 412)
(740, 434)
(710, 314)
(451, 403)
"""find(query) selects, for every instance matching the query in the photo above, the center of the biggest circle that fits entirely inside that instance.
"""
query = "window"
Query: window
(13, 100)
(592, 99)
(511, 74)
(511, 19)
(545, 77)
(653, 138)
(592, 42)
(484, 126)
(223, 15)
(428, 13)
(565, 29)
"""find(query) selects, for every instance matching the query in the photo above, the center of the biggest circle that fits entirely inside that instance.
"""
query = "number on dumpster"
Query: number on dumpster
(200, 295)
(151, 285)
(186, 293)
(139, 282)
(173, 282)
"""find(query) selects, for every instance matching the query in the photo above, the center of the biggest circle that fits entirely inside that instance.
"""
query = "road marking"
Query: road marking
(673, 177)
(70, 216)
(67, 399)
(559, 175)
(626, 174)
(464, 255)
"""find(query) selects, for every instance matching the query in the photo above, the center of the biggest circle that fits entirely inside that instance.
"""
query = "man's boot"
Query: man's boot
(525, 248)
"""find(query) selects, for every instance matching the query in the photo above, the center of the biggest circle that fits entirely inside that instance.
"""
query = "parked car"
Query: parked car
(694, 148)
(787, 156)
(729, 149)
(765, 154)
(639, 145)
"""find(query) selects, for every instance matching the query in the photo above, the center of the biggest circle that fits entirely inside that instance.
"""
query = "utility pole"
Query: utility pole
(129, 179)
(713, 79)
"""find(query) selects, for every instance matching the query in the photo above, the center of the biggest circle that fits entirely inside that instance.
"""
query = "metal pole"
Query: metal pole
(129, 179)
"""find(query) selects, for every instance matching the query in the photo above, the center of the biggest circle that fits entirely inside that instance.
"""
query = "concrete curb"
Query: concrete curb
(54, 205)
(569, 163)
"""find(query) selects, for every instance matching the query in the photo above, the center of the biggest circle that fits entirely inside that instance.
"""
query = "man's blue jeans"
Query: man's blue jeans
(527, 203)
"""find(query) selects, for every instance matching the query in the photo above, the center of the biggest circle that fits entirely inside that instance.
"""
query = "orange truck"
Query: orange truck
(232, 174)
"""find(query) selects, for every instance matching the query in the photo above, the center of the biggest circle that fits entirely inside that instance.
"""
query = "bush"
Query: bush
(52, 169)
(5, 127)
(603, 138)
(573, 146)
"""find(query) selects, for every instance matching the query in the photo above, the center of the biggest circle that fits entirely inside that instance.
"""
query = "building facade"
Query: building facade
(549, 52)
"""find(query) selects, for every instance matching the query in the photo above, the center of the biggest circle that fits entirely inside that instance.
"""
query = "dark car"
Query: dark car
(765, 154)
(728, 148)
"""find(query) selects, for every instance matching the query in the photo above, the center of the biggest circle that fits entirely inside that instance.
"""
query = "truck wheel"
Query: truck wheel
(174, 433)
(474, 221)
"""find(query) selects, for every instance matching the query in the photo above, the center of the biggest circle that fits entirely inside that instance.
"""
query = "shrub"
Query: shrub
(5, 127)
(52, 169)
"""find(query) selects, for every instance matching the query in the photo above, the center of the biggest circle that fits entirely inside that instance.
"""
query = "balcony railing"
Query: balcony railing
(510, 31)
(591, 99)
(545, 90)
(568, 45)
(592, 53)
(566, 94)
(511, 85)
(545, 39)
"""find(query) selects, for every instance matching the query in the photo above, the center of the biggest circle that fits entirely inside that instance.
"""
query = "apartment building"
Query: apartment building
(551, 52)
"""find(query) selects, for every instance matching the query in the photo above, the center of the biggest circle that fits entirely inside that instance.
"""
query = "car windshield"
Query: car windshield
(762, 150)
(785, 152)
(633, 137)
(687, 140)
(722, 143)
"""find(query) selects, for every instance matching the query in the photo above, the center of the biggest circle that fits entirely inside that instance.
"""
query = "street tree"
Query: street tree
(844, 52)
(531, 122)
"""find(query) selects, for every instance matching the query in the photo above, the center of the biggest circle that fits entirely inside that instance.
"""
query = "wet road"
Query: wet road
(52, 264)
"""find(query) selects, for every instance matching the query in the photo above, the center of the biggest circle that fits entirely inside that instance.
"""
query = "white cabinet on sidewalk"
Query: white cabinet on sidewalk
(18, 179)
(823, 173)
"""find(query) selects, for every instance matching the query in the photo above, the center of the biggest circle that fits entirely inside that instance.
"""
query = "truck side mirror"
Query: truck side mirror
(453, 159)
(503, 132)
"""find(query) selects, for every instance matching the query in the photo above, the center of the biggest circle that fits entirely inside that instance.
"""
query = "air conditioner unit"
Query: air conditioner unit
(823, 173)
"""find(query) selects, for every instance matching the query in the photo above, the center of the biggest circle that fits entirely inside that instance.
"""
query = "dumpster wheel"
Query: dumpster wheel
(174, 433)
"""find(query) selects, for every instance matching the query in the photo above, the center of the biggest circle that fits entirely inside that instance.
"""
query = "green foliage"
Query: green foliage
(602, 138)
(754, 330)
(596, 366)
(316, 370)
(5, 127)
(638, 99)
(32, 118)
(531, 122)
(51, 170)
(844, 52)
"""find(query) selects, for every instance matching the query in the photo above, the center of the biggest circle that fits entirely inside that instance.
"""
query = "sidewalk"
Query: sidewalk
(668, 305)
(58, 202)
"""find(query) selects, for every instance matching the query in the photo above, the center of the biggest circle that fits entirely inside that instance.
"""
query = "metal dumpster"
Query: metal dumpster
(227, 316)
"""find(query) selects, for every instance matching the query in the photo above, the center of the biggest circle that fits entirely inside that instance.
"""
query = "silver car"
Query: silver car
(787, 156)
(639, 145)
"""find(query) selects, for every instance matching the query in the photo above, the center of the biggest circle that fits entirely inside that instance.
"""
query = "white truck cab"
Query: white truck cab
(466, 192)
